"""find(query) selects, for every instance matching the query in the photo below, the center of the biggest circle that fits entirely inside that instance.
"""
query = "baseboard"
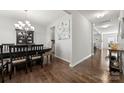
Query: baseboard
(92, 54)
(72, 65)
(63, 59)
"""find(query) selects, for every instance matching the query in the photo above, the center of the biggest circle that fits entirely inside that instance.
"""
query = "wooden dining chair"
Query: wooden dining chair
(5, 47)
(35, 54)
(18, 55)
(3, 64)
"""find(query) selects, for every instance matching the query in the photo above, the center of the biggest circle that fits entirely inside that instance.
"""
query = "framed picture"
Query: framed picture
(63, 30)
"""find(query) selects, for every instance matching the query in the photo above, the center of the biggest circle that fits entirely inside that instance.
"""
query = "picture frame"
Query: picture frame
(63, 30)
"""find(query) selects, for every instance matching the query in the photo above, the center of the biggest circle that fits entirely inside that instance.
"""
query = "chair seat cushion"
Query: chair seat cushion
(6, 59)
(19, 61)
(36, 57)
(48, 53)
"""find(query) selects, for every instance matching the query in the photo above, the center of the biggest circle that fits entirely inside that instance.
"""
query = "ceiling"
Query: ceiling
(103, 20)
(44, 17)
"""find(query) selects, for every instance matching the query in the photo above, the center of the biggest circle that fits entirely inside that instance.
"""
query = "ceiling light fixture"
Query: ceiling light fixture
(106, 26)
(26, 26)
(100, 15)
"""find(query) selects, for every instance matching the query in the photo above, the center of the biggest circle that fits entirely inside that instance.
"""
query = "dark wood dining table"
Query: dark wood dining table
(7, 54)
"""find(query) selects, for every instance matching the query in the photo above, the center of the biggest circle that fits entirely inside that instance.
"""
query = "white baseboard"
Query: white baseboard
(63, 59)
(76, 63)
(92, 54)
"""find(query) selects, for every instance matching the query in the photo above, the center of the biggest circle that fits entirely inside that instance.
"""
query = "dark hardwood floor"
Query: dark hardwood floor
(93, 70)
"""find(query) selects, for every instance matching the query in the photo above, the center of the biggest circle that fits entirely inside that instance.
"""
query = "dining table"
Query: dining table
(6, 54)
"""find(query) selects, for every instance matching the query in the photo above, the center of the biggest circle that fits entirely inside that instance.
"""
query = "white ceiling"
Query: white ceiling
(91, 15)
(106, 17)
(44, 17)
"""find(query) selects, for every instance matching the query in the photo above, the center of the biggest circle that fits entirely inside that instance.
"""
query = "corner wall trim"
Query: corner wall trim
(76, 63)
(63, 59)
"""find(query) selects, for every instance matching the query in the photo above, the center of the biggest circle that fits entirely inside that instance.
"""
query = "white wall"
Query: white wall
(39, 34)
(63, 48)
(78, 47)
(8, 33)
(81, 38)
(97, 40)
(121, 41)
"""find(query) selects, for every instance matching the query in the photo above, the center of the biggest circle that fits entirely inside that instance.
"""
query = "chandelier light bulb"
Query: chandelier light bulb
(24, 26)
(16, 25)
(20, 22)
(32, 28)
(29, 25)
(20, 27)
(27, 22)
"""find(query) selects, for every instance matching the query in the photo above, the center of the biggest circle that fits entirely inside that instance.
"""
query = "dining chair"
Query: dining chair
(5, 49)
(3, 64)
(18, 55)
(35, 54)
(49, 55)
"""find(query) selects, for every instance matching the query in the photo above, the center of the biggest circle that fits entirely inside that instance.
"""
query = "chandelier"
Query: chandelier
(26, 25)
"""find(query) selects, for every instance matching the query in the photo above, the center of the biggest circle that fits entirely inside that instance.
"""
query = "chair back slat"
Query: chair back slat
(6, 47)
(1, 55)
(35, 49)
(18, 52)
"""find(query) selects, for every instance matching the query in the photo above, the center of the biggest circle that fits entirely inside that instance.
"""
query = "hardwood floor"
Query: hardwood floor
(92, 70)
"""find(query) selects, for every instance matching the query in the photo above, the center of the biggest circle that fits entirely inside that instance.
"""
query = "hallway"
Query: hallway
(97, 68)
